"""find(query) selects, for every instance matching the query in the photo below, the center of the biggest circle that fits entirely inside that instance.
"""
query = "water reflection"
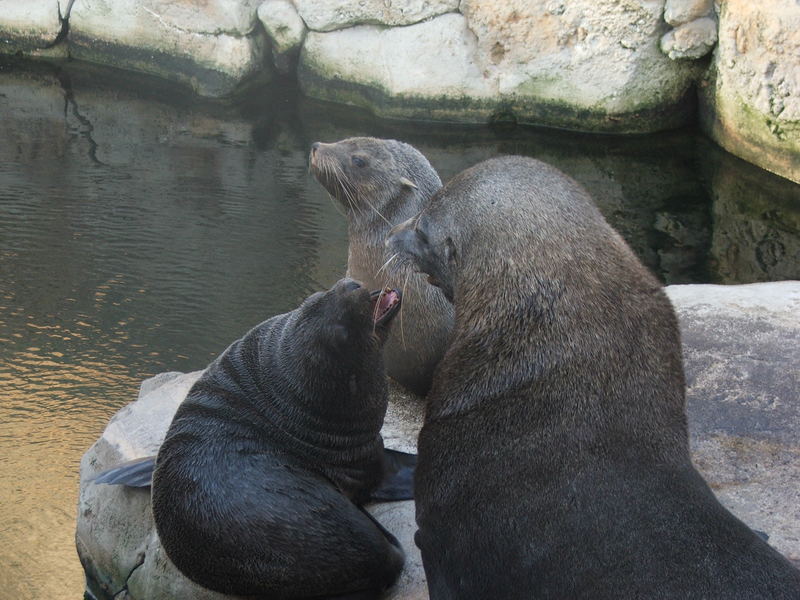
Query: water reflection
(647, 186)
(142, 230)
(756, 221)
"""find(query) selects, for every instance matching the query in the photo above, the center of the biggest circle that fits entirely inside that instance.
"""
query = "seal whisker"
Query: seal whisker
(386, 264)
(324, 166)
(377, 212)
(378, 184)
(402, 333)
(335, 205)
(377, 309)
(346, 187)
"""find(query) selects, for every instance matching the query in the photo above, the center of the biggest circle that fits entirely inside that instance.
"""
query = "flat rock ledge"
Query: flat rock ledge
(743, 373)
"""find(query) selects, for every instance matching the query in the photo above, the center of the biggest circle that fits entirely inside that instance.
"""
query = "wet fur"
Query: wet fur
(258, 485)
(393, 183)
(554, 459)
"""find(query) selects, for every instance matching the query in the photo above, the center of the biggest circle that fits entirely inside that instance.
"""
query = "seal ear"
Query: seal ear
(408, 183)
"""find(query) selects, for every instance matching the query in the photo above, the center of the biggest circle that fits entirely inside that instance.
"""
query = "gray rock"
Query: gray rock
(599, 59)
(742, 362)
(213, 49)
(115, 525)
(751, 97)
(328, 15)
(30, 27)
(397, 64)
(678, 12)
(691, 40)
(285, 29)
(743, 375)
(573, 65)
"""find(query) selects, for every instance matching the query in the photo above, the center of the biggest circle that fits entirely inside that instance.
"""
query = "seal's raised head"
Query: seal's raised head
(523, 206)
(348, 315)
(381, 183)
(368, 174)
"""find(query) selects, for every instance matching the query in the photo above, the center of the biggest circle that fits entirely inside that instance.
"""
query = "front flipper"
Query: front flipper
(134, 473)
(398, 477)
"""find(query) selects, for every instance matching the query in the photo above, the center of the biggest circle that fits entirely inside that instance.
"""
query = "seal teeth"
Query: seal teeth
(385, 301)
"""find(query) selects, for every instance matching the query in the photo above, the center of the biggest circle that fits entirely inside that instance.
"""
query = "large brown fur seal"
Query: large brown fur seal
(554, 459)
(258, 485)
(381, 183)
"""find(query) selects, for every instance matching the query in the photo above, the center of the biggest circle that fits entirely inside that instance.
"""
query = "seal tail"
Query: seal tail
(134, 473)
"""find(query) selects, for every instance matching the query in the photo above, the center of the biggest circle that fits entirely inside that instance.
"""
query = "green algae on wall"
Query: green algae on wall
(750, 134)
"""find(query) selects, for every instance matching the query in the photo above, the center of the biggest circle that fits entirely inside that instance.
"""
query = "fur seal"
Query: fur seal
(381, 183)
(554, 458)
(258, 486)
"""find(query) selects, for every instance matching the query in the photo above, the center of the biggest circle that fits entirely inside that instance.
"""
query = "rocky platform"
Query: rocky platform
(743, 375)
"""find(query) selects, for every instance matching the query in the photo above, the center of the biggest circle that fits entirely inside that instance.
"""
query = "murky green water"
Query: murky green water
(142, 230)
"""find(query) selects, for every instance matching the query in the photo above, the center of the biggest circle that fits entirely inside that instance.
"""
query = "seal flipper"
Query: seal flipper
(398, 477)
(134, 473)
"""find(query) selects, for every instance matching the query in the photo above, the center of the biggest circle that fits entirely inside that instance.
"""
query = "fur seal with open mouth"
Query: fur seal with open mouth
(258, 486)
(381, 183)
(554, 459)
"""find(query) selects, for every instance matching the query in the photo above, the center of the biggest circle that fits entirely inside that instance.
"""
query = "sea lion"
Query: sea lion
(381, 183)
(258, 486)
(554, 459)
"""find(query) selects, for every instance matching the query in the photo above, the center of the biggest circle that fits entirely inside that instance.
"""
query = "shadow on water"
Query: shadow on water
(143, 229)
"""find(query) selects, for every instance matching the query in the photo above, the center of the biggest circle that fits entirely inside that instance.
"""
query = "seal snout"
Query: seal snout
(351, 285)
(313, 155)
(400, 235)
(346, 286)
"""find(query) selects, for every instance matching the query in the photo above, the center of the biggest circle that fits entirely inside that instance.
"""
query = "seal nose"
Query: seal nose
(314, 147)
(350, 285)
(398, 233)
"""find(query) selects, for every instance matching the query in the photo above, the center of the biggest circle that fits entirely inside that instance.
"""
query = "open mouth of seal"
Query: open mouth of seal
(385, 304)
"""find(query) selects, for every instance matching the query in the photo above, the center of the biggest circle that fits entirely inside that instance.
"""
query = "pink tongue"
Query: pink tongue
(386, 302)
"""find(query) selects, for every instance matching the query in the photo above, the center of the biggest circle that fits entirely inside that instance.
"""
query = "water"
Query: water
(142, 230)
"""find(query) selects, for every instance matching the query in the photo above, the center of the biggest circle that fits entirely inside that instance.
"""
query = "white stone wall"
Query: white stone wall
(620, 66)
(753, 92)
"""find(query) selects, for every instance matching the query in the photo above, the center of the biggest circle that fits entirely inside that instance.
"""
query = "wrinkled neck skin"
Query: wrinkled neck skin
(335, 399)
(324, 408)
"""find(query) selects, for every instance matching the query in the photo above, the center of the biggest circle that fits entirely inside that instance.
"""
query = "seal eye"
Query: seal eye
(359, 162)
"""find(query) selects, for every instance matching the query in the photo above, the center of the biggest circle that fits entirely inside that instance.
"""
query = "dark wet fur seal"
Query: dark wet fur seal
(381, 183)
(554, 459)
(258, 485)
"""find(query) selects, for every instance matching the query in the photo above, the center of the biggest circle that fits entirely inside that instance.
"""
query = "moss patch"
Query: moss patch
(742, 130)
